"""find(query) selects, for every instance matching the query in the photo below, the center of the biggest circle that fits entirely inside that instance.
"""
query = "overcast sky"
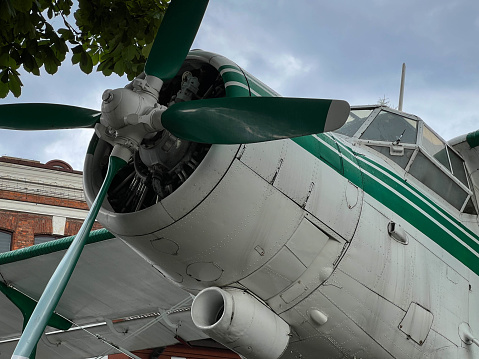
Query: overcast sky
(344, 49)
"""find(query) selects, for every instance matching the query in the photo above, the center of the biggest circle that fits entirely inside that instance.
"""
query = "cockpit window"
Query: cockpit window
(389, 127)
(355, 120)
(458, 169)
(435, 147)
(426, 157)
(433, 177)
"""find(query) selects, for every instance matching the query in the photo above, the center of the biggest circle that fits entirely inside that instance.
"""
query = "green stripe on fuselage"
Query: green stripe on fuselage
(399, 196)
(413, 194)
(236, 84)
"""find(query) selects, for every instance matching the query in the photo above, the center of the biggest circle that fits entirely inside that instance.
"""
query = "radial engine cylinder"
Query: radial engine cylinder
(240, 322)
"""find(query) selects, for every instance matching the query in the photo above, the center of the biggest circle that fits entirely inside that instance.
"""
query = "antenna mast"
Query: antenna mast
(401, 91)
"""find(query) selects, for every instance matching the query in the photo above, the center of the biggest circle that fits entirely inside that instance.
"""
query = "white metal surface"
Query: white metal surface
(417, 322)
(240, 322)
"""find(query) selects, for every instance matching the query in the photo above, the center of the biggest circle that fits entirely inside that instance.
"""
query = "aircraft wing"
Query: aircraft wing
(115, 298)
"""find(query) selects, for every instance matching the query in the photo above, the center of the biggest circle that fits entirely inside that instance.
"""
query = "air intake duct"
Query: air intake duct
(240, 322)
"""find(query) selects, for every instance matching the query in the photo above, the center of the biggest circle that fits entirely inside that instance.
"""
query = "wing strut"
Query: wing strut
(58, 282)
(157, 319)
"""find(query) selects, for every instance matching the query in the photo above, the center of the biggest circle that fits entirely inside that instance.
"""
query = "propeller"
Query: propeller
(215, 121)
(253, 119)
(46, 116)
(175, 37)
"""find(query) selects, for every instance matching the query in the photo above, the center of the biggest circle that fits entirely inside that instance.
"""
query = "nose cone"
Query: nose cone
(107, 96)
(117, 104)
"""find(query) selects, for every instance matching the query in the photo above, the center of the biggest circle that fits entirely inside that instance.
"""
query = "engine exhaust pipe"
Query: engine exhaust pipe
(240, 322)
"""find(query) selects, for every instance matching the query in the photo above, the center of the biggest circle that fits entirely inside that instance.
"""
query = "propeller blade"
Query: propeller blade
(46, 116)
(57, 283)
(253, 119)
(174, 37)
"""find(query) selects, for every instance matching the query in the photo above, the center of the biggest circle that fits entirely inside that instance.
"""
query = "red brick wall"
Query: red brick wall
(35, 198)
(184, 351)
(24, 226)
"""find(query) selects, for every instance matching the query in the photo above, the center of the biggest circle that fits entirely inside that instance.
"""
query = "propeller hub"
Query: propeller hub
(131, 113)
(118, 104)
(107, 96)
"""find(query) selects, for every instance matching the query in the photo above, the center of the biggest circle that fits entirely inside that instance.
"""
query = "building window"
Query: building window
(42, 238)
(5, 241)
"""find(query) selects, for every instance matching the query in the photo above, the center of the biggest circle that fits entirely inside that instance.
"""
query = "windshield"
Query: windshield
(389, 127)
(355, 120)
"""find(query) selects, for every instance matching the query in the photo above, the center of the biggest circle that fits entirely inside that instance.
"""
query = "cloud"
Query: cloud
(450, 113)
(71, 145)
(67, 145)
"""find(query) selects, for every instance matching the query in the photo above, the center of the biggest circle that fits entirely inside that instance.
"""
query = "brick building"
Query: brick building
(41, 202)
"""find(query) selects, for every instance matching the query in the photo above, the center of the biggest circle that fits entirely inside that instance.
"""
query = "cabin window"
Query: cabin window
(433, 177)
(5, 241)
(434, 146)
(427, 158)
(42, 238)
(470, 209)
(458, 169)
(389, 127)
(354, 122)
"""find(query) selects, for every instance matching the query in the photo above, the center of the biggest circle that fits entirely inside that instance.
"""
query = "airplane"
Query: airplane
(302, 228)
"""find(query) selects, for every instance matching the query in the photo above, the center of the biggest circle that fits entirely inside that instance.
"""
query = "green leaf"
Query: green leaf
(23, 6)
(32, 46)
(4, 90)
(119, 67)
(65, 6)
(50, 66)
(36, 71)
(105, 64)
(77, 49)
(39, 61)
(95, 57)
(107, 71)
(7, 12)
(129, 53)
(4, 77)
(14, 84)
(66, 34)
(59, 49)
(28, 61)
(76, 58)
(15, 55)
(86, 63)
(5, 59)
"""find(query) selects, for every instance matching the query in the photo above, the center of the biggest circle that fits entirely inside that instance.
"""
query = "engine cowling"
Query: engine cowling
(143, 197)
(223, 222)
(240, 322)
